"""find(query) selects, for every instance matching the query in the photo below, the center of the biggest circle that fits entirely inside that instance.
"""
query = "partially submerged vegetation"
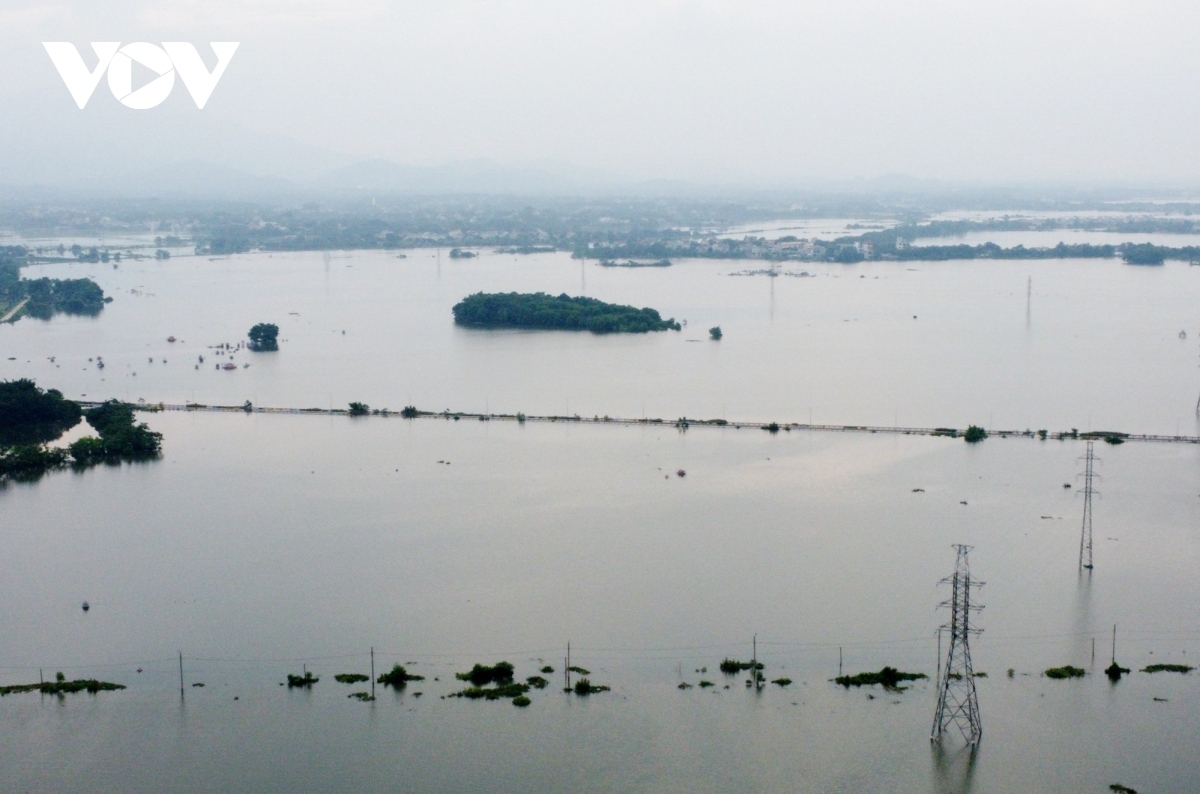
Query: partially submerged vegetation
(733, 666)
(585, 687)
(1168, 668)
(30, 417)
(974, 434)
(42, 298)
(541, 311)
(1066, 671)
(305, 681)
(61, 686)
(888, 678)
(264, 338)
(397, 678)
(481, 674)
(351, 678)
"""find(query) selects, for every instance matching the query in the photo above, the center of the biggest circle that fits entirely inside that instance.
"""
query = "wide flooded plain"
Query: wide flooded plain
(262, 545)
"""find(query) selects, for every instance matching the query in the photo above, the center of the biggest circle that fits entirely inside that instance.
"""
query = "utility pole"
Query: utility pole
(567, 666)
(1085, 537)
(181, 675)
(372, 672)
(958, 703)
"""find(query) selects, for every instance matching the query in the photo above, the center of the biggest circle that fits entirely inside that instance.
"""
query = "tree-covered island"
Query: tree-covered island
(542, 311)
(30, 417)
(43, 297)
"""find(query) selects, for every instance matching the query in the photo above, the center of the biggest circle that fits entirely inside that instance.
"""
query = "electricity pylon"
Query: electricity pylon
(958, 704)
(1085, 536)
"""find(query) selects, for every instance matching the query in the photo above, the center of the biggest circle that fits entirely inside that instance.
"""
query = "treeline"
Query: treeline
(542, 311)
(30, 417)
(47, 296)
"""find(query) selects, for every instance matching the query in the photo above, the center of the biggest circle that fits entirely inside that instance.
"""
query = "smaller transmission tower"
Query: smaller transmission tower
(1085, 537)
(958, 704)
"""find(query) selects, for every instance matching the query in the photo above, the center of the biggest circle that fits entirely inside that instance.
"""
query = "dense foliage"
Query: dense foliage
(539, 310)
(121, 437)
(47, 296)
(974, 434)
(888, 678)
(398, 677)
(30, 415)
(264, 337)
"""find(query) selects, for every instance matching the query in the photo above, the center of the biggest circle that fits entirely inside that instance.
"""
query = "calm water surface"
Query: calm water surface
(1095, 346)
(261, 544)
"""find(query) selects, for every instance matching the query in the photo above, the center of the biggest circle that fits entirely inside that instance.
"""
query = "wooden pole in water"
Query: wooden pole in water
(567, 665)
(1114, 658)
(181, 675)
(839, 661)
(40, 679)
(372, 672)
(1093, 651)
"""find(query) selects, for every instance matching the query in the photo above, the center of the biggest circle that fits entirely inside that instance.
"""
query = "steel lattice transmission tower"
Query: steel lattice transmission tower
(958, 704)
(1085, 537)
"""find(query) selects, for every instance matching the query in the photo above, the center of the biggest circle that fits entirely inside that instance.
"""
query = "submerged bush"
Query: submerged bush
(351, 678)
(1067, 671)
(974, 434)
(482, 674)
(398, 677)
(888, 677)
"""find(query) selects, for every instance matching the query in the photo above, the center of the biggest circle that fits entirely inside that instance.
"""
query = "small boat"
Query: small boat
(170, 339)
(86, 606)
(229, 365)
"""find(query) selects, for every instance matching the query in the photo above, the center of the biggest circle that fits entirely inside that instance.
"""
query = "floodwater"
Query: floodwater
(262, 544)
(1087, 344)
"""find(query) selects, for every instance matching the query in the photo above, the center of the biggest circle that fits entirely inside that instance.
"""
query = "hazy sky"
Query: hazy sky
(707, 90)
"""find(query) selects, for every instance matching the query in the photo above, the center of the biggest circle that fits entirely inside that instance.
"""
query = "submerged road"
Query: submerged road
(1112, 436)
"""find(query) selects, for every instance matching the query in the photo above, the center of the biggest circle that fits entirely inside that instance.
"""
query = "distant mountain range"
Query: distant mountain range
(176, 151)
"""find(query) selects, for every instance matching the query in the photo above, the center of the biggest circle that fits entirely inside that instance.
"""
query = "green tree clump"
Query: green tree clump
(264, 337)
(974, 433)
(888, 678)
(121, 437)
(398, 677)
(542, 311)
(715, 332)
(29, 415)
(359, 409)
(482, 674)
(1066, 671)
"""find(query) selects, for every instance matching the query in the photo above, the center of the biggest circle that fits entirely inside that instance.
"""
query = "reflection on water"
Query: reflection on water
(953, 769)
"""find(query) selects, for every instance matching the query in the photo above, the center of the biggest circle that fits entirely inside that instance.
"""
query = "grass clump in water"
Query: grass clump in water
(351, 678)
(537, 682)
(61, 686)
(547, 670)
(481, 674)
(1120, 789)
(506, 691)
(361, 696)
(580, 670)
(520, 701)
(397, 678)
(888, 678)
(1168, 668)
(302, 681)
(733, 666)
(1066, 671)
(585, 687)
(782, 681)
(706, 684)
